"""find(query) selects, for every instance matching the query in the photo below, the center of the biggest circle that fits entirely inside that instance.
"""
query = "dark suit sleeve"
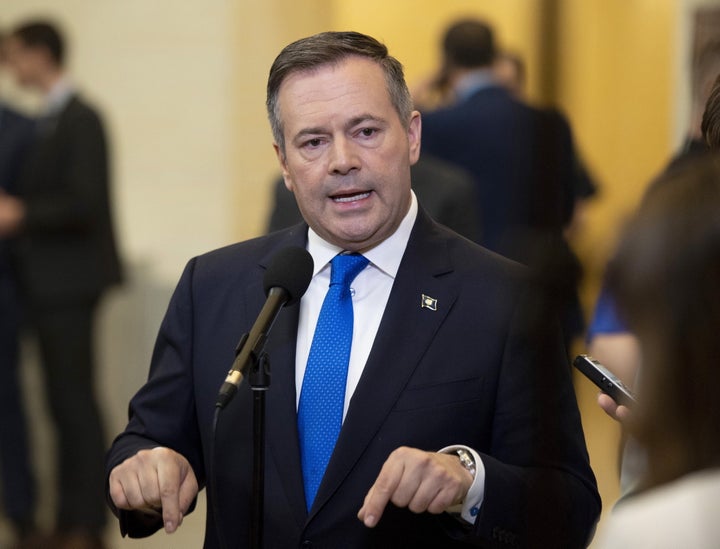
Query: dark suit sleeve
(162, 413)
(538, 484)
(78, 192)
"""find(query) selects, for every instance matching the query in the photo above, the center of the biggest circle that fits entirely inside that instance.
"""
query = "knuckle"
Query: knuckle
(401, 453)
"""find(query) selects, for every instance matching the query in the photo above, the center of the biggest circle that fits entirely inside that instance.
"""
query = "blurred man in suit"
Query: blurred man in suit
(16, 478)
(522, 159)
(457, 421)
(66, 257)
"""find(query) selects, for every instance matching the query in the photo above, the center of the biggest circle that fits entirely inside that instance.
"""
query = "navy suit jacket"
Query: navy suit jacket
(469, 372)
(522, 160)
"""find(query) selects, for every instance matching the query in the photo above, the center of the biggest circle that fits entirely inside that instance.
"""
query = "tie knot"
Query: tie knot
(345, 267)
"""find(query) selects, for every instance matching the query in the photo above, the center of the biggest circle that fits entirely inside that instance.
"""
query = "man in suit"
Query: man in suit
(522, 159)
(16, 478)
(460, 422)
(66, 257)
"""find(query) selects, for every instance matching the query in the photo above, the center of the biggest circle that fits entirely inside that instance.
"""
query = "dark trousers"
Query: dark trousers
(65, 336)
(16, 478)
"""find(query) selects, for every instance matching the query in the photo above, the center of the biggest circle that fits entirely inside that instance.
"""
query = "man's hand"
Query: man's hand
(155, 481)
(421, 481)
(613, 409)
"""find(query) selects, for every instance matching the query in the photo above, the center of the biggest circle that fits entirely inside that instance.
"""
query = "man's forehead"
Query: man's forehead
(361, 79)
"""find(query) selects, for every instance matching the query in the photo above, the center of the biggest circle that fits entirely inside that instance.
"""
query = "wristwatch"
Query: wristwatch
(466, 460)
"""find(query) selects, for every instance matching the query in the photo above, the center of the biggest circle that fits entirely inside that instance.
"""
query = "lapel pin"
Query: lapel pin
(428, 302)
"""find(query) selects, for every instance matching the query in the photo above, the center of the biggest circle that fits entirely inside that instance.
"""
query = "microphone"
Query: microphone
(285, 282)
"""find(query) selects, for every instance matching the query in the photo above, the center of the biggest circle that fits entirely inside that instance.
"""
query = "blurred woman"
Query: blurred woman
(665, 277)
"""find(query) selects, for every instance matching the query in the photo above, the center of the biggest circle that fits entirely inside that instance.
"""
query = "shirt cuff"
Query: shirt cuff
(470, 507)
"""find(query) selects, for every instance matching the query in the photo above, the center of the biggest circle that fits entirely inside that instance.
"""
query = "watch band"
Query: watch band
(466, 460)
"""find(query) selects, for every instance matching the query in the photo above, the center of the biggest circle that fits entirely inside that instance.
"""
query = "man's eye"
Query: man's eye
(367, 132)
(313, 142)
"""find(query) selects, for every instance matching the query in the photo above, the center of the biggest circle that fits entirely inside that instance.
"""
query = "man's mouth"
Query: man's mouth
(352, 197)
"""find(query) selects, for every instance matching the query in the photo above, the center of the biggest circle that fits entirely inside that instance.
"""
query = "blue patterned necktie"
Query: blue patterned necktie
(323, 389)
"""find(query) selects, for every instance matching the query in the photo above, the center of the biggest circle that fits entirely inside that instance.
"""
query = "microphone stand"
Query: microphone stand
(259, 380)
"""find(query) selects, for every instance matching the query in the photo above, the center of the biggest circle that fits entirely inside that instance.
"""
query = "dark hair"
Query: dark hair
(468, 43)
(329, 48)
(705, 68)
(711, 117)
(665, 276)
(42, 34)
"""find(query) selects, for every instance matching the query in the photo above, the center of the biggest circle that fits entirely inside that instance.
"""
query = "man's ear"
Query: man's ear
(414, 132)
(283, 166)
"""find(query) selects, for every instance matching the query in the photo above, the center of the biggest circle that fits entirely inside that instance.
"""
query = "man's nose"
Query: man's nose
(343, 156)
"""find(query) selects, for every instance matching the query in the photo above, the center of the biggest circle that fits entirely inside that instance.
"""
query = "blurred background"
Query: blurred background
(182, 89)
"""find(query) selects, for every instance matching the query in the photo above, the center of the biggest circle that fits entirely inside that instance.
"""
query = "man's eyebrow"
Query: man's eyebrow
(364, 118)
(309, 131)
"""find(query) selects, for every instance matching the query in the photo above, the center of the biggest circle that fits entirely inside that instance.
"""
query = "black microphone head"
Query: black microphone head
(290, 269)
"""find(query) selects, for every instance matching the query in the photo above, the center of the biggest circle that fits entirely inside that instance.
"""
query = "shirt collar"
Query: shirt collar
(474, 81)
(58, 96)
(386, 256)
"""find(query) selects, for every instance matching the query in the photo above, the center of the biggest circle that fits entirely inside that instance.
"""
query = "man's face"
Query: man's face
(347, 155)
(23, 62)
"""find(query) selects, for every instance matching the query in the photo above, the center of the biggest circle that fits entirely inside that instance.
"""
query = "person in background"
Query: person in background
(17, 481)
(510, 71)
(611, 341)
(522, 159)
(453, 421)
(665, 279)
(608, 338)
(66, 257)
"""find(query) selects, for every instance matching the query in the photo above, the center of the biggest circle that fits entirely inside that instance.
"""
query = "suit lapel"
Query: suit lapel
(405, 332)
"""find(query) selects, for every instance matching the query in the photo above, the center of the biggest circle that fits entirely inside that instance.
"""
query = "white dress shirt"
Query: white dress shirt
(58, 96)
